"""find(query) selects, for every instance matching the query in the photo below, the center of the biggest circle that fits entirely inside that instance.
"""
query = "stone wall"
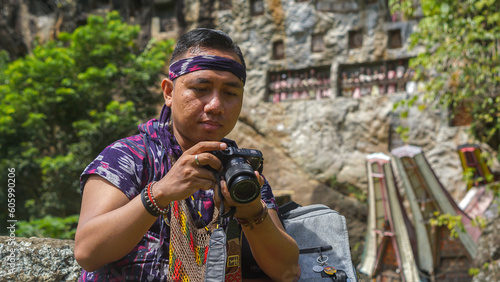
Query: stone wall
(330, 138)
(307, 143)
(37, 259)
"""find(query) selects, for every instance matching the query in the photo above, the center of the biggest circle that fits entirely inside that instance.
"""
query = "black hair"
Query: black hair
(206, 38)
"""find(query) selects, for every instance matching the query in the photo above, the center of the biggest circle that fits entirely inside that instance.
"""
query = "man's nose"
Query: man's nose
(214, 104)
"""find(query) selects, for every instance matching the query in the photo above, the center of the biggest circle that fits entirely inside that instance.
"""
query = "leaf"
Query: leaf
(460, 60)
(404, 114)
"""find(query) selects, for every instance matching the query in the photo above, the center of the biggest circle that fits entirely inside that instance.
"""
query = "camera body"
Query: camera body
(238, 166)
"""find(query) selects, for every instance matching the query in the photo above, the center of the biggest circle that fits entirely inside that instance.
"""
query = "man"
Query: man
(119, 234)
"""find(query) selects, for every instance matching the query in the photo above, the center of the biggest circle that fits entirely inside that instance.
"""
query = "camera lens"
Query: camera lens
(245, 189)
(241, 181)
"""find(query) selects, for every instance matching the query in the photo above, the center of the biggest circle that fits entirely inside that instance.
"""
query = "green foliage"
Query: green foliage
(480, 222)
(469, 177)
(452, 222)
(403, 132)
(460, 60)
(347, 189)
(473, 271)
(62, 104)
(406, 7)
(48, 226)
(494, 187)
(4, 61)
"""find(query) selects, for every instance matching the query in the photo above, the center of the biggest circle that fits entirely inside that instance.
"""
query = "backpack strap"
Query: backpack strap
(286, 207)
(316, 249)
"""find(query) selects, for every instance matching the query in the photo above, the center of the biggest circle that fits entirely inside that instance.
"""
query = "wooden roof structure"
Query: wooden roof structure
(441, 257)
(388, 253)
(478, 202)
(471, 159)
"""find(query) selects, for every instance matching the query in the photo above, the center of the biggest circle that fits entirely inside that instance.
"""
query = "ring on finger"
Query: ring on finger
(196, 160)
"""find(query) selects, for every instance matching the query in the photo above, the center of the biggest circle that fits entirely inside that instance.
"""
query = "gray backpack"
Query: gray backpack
(321, 234)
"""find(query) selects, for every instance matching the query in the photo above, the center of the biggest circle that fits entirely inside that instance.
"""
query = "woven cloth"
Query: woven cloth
(188, 244)
(189, 247)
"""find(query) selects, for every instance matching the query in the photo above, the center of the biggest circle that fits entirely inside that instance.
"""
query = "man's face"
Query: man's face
(205, 104)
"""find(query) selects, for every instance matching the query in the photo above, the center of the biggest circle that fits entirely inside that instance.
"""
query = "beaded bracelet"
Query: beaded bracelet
(152, 199)
(148, 204)
(257, 220)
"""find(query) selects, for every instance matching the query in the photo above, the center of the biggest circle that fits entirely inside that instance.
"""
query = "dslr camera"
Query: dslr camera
(238, 166)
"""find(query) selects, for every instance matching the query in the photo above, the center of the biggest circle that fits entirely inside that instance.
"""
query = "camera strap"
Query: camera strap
(223, 213)
(224, 253)
(216, 256)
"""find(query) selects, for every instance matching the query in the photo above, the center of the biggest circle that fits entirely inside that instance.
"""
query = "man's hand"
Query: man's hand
(247, 210)
(189, 173)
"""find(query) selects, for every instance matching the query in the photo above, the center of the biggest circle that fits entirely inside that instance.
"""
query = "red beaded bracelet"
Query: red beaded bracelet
(257, 220)
(147, 203)
(152, 199)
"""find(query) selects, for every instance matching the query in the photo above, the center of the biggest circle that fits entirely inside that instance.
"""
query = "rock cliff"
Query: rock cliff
(37, 259)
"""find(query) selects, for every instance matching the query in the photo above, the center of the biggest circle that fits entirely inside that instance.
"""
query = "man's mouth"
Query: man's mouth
(211, 125)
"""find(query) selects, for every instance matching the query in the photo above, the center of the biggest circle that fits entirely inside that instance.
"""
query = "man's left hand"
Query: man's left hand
(246, 210)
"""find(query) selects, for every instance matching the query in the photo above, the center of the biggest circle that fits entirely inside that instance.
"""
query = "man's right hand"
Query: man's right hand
(189, 173)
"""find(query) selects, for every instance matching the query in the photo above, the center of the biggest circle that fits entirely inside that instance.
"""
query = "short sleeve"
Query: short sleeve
(122, 164)
(268, 197)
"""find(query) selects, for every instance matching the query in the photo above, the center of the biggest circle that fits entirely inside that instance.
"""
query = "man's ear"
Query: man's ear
(168, 88)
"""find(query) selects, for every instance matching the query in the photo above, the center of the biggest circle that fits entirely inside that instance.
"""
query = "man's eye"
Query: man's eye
(196, 89)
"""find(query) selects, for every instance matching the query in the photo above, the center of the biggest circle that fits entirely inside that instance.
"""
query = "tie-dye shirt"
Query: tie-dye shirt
(127, 166)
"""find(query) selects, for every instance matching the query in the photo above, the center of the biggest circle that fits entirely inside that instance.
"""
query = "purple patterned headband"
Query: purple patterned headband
(206, 62)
